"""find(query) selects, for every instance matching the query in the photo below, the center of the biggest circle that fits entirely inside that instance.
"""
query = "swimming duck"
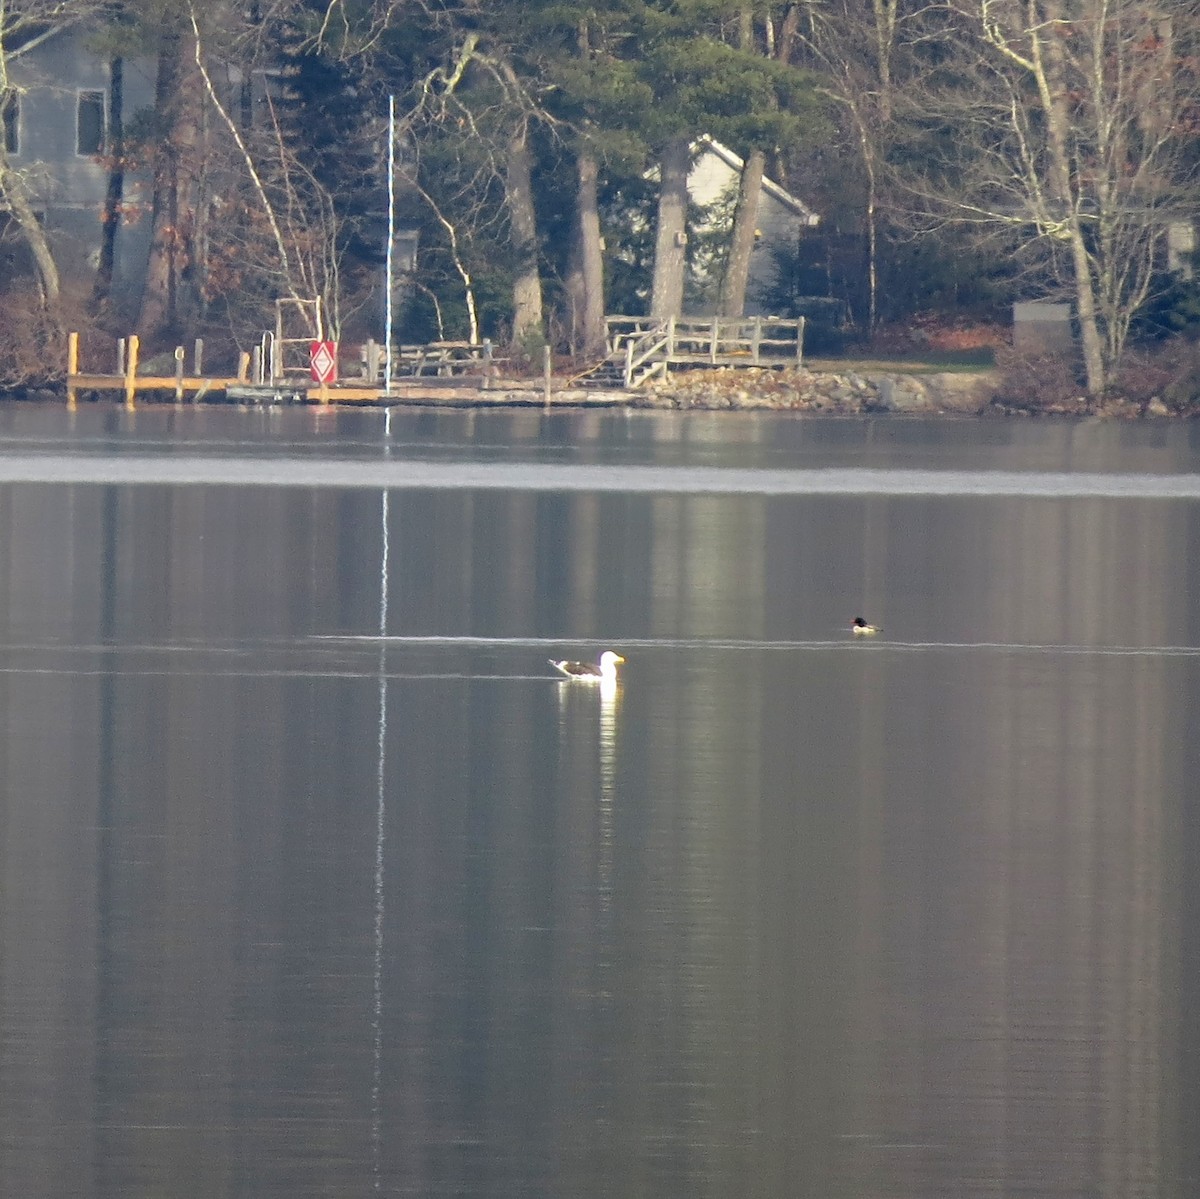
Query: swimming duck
(590, 672)
(860, 628)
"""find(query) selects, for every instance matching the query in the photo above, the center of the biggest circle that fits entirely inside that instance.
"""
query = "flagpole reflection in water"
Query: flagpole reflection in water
(380, 824)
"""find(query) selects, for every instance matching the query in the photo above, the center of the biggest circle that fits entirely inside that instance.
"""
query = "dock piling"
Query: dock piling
(72, 367)
(131, 361)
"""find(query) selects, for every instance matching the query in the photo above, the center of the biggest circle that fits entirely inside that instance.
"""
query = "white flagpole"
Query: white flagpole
(387, 330)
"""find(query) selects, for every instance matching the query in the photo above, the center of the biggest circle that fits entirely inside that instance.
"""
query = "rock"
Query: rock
(1114, 407)
(961, 393)
(1156, 407)
(912, 397)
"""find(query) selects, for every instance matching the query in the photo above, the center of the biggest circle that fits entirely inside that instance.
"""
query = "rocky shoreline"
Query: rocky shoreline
(852, 393)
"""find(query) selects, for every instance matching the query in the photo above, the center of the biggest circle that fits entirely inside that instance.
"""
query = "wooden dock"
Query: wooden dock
(433, 374)
(639, 349)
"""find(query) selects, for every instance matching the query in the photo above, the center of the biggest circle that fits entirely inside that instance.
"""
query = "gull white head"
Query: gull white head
(608, 664)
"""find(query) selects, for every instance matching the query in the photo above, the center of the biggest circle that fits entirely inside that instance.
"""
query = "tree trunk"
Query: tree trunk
(870, 210)
(591, 257)
(12, 192)
(884, 15)
(158, 297)
(1050, 77)
(670, 247)
(742, 240)
(573, 296)
(110, 221)
(527, 283)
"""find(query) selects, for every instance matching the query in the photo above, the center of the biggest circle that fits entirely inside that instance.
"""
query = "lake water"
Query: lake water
(315, 881)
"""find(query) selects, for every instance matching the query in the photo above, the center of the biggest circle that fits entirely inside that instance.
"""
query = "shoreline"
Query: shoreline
(826, 392)
(884, 392)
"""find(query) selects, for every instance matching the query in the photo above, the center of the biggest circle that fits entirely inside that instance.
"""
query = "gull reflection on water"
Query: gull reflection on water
(605, 696)
(610, 697)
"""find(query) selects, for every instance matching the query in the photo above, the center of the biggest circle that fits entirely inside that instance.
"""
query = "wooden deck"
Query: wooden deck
(646, 348)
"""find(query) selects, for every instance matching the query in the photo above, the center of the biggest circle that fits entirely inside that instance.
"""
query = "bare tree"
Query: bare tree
(478, 98)
(24, 25)
(854, 44)
(1077, 142)
(237, 217)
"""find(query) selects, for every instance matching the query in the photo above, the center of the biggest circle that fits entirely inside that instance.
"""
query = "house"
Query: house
(64, 99)
(713, 187)
(56, 127)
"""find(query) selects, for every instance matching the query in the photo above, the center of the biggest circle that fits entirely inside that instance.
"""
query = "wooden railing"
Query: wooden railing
(646, 354)
(648, 347)
(445, 359)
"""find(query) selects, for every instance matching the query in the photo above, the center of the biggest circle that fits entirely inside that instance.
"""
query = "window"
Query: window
(89, 127)
(10, 111)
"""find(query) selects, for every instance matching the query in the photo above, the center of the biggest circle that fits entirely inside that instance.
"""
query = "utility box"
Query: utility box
(1040, 328)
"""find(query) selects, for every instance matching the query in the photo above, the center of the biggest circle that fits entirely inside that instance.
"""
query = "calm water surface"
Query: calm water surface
(316, 883)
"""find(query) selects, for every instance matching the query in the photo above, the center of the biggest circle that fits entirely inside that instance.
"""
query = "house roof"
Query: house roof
(773, 189)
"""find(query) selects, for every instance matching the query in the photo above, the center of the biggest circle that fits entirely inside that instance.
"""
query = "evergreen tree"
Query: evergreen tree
(707, 75)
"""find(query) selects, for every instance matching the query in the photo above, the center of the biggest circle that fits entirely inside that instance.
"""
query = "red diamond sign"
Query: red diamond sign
(323, 361)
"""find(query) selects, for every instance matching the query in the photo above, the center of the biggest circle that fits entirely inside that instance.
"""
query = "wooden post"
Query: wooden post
(670, 337)
(629, 363)
(712, 341)
(120, 356)
(755, 339)
(546, 371)
(179, 374)
(198, 357)
(72, 367)
(254, 361)
(371, 364)
(131, 363)
(800, 342)
(243, 366)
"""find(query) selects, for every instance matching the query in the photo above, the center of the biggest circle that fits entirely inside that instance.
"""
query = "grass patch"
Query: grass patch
(929, 362)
